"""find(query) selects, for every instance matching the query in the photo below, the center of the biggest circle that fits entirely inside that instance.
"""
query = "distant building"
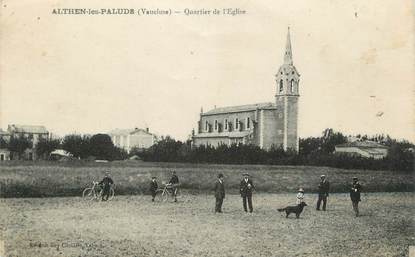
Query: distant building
(368, 149)
(263, 124)
(33, 133)
(4, 135)
(4, 154)
(130, 138)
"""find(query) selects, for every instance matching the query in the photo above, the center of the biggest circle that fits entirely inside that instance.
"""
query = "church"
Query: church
(270, 124)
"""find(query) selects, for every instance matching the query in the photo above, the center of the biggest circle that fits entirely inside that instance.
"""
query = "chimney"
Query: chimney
(147, 130)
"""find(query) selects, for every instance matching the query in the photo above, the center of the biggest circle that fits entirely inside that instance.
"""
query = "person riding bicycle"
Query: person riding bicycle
(106, 183)
(174, 183)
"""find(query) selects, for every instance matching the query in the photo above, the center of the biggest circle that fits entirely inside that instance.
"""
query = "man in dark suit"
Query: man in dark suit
(153, 188)
(219, 193)
(246, 188)
(323, 192)
(174, 183)
(106, 184)
(355, 195)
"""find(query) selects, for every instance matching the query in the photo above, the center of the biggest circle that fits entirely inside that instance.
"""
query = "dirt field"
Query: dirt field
(133, 226)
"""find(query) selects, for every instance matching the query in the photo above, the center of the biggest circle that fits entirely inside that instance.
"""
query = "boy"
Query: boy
(153, 188)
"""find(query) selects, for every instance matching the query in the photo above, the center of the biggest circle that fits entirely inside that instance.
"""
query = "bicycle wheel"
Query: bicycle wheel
(165, 195)
(159, 194)
(88, 194)
(112, 193)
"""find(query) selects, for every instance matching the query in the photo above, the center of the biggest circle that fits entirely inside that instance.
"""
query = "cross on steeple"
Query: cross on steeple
(288, 56)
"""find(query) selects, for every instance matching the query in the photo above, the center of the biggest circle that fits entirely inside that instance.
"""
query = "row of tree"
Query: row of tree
(98, 146)
(315, 151)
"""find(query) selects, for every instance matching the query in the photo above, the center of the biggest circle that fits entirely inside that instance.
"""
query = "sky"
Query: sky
(94, 73)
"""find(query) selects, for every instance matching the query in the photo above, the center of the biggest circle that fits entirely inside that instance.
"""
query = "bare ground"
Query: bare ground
(133, 226)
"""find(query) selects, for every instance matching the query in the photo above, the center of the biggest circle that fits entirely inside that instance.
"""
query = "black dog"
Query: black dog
(297, 209)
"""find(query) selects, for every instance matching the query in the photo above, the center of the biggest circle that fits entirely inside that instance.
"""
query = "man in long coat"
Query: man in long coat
(355, 195)
(323, 192)
(245, 190)
(219, 193)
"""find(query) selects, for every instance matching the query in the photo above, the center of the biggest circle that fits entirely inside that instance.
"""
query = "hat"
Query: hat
(246, 174)
(322, 176)
(153, 177)
(354, 178)
(301, 190)
(220, 175)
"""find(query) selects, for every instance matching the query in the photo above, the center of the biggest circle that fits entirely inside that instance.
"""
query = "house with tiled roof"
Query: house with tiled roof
(270, 124)
(132, 138)
(368, 149)
(31, 132)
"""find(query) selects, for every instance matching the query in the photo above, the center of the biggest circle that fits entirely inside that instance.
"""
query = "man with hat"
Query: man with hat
(106, 184)
(153, 188)
(246, 188)
(174, 184)
(355, 195)
(323, 192)
(219, 193)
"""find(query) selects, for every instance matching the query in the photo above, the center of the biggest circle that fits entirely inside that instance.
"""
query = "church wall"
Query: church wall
(231, 118)
(269, 121)
(292, 113)
(213, 141)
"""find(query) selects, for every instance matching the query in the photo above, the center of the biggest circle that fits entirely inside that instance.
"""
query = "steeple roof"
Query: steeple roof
(288, 56)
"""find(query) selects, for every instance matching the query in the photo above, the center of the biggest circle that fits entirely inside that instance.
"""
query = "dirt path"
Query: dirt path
(133, 226)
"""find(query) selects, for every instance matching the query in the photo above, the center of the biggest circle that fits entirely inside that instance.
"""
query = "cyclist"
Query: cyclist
(174, 183)
(106, 184)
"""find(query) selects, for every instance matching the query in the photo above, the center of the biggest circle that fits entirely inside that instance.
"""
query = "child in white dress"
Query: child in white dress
(300, 196)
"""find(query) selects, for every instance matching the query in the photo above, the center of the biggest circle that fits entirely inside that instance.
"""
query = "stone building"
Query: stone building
(367, 149)
(33, 133)
(4, 154)
(262, 124)
(130, 138)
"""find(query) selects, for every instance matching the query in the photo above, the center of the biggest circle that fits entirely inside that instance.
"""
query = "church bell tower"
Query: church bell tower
(288, 80)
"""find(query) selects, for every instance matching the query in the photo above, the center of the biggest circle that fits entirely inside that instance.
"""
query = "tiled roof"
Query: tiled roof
(124, 132)
(362, 144)
(233, 134)
(28, 129)
(121, 132)
(4, 133)
(240, 108)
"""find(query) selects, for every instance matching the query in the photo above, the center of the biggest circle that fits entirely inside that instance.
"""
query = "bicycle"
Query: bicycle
(169, 191)
(95, 192)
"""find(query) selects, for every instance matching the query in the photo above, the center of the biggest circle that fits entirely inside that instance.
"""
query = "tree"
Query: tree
(19, 145)
(3, 143)
(77, 145)
(102, 147)
(45, 146)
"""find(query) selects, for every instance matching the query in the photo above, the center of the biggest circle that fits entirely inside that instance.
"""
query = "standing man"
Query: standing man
(174, 183)
(106, 184)
(219, 193)
(323, 192)
(153, 188)
(355, 195)
(246, 188)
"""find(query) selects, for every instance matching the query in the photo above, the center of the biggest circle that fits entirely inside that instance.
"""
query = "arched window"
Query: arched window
(281, 86)
(292, 86)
